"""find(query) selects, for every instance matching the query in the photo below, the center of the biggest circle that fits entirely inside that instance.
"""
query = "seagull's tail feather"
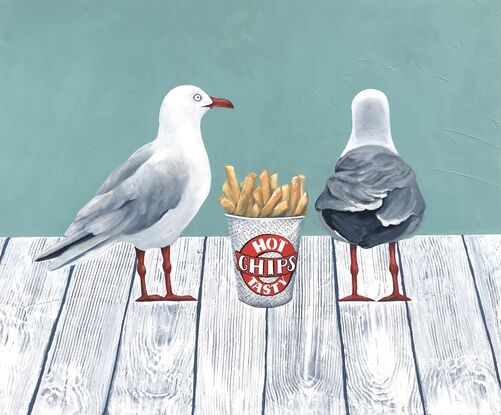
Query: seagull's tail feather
(58, 248)
(72, 250)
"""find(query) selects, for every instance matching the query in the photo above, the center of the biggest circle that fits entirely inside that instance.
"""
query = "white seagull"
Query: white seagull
(152, 197)
(372, 196)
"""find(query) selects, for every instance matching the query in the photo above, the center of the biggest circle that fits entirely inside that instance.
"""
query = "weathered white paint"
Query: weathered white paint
(304, 368)
(453, 354)
(29, 303)
(80, 363)
(155, 366)
(231, 342)
(154, 370)
(485, 255)
(381, 374)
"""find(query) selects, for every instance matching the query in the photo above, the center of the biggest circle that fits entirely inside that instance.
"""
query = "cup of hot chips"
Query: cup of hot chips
(264, 221)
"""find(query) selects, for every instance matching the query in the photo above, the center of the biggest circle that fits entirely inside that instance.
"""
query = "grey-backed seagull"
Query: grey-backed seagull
(372, 196)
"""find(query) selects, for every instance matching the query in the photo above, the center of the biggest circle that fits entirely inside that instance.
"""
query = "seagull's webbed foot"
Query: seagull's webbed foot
(395, 297)
(174, 297)
(355, 297)
(150, 297)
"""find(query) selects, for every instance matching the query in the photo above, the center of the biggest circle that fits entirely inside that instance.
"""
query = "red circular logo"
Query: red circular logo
(264, 274)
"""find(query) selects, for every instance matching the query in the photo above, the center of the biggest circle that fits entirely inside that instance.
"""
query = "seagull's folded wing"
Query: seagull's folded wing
(134, 197)
(127, 169)
(375, 179)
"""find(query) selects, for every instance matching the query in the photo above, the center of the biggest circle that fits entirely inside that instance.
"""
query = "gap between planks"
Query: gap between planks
(157, 350)
(29, 306)
(479, 299)
(450, 338)
(380, 369)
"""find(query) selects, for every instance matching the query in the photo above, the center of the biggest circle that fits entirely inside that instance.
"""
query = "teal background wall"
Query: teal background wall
(81, 83)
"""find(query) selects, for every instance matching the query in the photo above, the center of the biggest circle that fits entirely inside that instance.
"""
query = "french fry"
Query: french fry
(286, 193)
(229, 205)
(279, 209)
(270, 199)
(301, 205)
(274, 181)
(227, 191)
(270, 204)
(264, 178)
(254, 213)
(302, 180)
(258, 197)
(249, 207)
(233, 182)
(246, 193)
(294, 198)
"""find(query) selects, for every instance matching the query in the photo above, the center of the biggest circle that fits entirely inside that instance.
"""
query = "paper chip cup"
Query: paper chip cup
(265, 256)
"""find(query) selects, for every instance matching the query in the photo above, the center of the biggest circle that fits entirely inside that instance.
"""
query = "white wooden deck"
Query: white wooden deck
(75, 341)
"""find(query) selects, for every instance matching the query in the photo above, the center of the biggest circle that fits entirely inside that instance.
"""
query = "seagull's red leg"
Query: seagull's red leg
(167, 266)
(141, 270)
(354, 282)
(395, 295)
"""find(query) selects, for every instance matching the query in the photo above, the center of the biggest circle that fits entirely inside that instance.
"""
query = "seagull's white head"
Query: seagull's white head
(370, 113)
(186, 105)
(370, 121)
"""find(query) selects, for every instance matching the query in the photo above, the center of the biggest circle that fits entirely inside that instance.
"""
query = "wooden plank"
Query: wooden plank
(155, 367)
(452, 350)
(484, 252)
(81, 361)
(3, 245)
(30, 299)
(381, 372)
(231, 341)
(304, 366)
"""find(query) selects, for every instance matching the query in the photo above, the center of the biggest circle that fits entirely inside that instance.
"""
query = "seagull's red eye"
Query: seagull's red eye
(197, 97)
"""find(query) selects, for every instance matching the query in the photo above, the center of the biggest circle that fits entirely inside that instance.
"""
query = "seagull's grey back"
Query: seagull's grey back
(372, 197)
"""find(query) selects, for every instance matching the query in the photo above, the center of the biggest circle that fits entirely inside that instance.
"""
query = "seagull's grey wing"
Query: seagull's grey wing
(374, 179)
(137, 202)
(127, 169)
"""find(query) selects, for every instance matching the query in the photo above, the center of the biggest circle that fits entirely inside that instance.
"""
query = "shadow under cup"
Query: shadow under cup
(265, 254)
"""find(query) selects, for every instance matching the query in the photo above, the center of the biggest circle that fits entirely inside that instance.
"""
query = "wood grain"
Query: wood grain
(304, 368)
(155, 366)
(81, 361)
(452, 350)
(381, 372)
(485, 255)
(161, 362)
(231, 341)
(30, 299)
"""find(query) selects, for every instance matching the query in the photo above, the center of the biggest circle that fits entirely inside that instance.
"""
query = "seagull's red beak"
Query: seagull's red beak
(220, 102)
